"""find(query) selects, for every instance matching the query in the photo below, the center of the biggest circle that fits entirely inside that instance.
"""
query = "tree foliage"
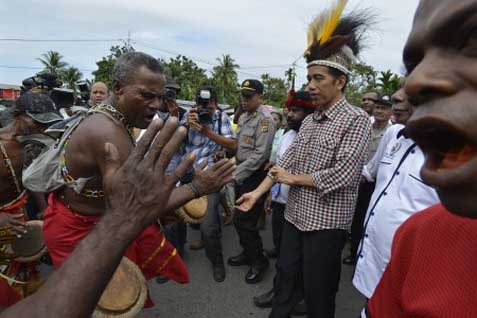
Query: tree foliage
(53, 62)
(187, 74)
(275, 90)
(69, 76)
(361, 80)
(104, 73)
(388, 82)
(225, 80)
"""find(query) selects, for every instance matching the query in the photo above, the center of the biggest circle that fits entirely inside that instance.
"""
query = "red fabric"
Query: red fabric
(432, 269)
(16, 206)
(63, 230)
(8, 295)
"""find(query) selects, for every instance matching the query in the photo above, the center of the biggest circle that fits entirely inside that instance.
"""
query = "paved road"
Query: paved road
(203, 298)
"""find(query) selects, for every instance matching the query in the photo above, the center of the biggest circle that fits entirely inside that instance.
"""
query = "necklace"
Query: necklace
(115, 115)
(9, 165)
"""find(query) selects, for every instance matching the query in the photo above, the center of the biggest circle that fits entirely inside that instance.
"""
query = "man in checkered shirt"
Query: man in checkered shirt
(323, 167)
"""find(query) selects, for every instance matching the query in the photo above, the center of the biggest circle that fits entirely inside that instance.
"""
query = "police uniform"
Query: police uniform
(254, 140)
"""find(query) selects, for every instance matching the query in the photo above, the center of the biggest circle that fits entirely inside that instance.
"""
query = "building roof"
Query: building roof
(8, 86)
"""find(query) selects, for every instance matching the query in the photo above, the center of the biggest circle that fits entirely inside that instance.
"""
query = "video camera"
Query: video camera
(42, 80)
(203, 100)
(84, 91)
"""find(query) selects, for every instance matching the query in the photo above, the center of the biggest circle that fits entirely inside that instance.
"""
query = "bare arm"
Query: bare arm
(135, 192)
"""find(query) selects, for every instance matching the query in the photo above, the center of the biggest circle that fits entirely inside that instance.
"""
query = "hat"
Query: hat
(384, 100)
(251, 87)
(299, 99)
(40, 107)
(335, 41)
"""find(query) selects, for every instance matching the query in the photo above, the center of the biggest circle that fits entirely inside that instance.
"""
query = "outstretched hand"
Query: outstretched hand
(13, 223)
(212, 179)
(137, 190)
(246, 202)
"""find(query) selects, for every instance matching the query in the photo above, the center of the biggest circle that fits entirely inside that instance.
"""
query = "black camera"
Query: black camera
(45, 80)
(170, 95)
(203, 100)
(84, 92)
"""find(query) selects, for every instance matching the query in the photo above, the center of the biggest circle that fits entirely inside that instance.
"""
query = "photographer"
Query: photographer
(210, 136)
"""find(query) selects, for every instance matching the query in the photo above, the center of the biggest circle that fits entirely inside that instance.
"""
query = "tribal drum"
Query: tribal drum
(194, 211)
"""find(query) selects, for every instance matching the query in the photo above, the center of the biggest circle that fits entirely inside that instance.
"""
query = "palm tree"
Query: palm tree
(70, 76)
(389, 82)
(52, 61)
(225, 78)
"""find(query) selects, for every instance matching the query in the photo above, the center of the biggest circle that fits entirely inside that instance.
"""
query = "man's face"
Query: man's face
(140, 100)
(99, 92)
(250, 103)
(382, 113)
(402, 110)
(277, 120)
(441, 58)
(295, 116)
(324, 89)
(368, 101)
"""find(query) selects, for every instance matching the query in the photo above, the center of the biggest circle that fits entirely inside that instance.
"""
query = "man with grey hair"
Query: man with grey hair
(76, 206)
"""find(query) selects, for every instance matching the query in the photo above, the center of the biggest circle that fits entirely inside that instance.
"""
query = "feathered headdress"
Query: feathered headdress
(333, 39)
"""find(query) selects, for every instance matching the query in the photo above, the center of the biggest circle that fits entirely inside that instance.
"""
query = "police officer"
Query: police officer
(254, 137)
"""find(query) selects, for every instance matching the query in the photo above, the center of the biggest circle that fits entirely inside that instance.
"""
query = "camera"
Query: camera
(42, 80)
(83, 88)
(170, 95)
(203, 99)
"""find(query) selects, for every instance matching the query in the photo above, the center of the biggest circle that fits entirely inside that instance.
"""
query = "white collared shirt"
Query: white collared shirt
(399, 193)
(285, 142)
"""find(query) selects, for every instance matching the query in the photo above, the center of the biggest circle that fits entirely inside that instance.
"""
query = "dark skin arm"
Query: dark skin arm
(67, 293)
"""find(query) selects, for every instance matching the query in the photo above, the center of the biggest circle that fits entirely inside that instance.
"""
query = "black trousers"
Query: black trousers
(246, 223)
(365, 192)
(278, 219)
(309, 267)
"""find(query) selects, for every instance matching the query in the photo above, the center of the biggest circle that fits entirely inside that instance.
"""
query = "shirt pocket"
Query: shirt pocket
(322, 154)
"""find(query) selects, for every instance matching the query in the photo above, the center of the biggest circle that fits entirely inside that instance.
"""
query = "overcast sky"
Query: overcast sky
(263, 36)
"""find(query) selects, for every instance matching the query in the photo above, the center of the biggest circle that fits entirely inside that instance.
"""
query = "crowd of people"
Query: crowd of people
(113, 183)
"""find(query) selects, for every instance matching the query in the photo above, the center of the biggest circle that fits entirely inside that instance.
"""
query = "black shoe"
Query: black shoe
(219, 272)
(264, 300)
(239, 260)
(299, 309)
(257, 271)
(271, 253)
(162, 279)
(350, 260)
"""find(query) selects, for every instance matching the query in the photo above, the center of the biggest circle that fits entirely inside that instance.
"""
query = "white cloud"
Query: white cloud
(255, 33)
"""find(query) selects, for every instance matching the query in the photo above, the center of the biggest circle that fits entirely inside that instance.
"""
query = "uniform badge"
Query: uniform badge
(248, 140)
(394, 149)
(265, 124)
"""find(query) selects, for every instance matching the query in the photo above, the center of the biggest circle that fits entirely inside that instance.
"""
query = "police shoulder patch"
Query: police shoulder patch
(265, 123)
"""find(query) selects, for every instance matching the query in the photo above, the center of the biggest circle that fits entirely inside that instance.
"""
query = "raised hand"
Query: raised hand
(212, 179)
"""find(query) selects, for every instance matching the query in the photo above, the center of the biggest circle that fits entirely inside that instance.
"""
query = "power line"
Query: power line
(36, 68)
(58, 40)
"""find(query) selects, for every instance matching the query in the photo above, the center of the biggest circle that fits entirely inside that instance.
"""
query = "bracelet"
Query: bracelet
(194, 189)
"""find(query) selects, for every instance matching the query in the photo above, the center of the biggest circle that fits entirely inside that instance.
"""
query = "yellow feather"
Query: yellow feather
(324, 25)
(329, 26)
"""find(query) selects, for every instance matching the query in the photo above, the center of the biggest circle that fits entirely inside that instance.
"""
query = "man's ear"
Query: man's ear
(341, 82)
(117, 88)
(260, 98)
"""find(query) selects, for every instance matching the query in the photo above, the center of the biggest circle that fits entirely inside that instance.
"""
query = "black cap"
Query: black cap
(384, 99)
(251, 87)
(40, 107)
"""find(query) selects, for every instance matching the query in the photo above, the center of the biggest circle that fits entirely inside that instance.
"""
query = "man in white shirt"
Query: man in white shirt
(399, 193)
(299, 106)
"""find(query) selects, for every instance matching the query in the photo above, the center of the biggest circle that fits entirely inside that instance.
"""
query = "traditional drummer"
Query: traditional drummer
(75, 207)
(32, 115)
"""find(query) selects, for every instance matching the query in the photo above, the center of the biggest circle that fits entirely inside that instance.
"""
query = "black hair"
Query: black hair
(128, 64)
(335, 73)
(279, 115)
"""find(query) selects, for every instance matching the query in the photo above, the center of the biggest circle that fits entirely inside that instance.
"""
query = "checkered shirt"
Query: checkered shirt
(331, 146)
(203, 146)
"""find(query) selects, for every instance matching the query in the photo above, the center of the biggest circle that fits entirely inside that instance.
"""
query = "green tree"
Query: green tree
(361, 80)
(388, 82)
(70, 76)
(104, 73)
(187, 74)
(225, 80)
(52, 61)
(275, 90)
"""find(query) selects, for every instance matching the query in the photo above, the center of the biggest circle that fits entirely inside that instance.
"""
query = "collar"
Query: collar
(403, 133)
(330, 112)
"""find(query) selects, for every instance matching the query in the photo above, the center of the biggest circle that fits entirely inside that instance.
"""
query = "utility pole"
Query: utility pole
(129, 40)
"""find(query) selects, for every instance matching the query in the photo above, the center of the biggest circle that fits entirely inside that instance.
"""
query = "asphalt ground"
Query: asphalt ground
(204, 298)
